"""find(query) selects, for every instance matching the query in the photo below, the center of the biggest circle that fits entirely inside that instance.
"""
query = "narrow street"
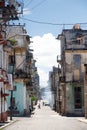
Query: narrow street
(47, 119)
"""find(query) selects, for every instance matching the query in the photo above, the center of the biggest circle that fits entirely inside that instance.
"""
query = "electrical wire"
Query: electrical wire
(38, 22)
(28, 3)
(49, 23)
(35, 6)
(38, 4)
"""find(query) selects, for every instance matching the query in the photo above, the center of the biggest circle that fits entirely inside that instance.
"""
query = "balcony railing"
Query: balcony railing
(59, 59)
(19, 73)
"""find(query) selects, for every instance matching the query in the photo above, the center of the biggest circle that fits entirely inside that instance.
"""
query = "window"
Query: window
(78, 97)
(77, 60)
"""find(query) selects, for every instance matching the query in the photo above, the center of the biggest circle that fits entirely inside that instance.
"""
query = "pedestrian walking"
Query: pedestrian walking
(39, 106)
(30, 110)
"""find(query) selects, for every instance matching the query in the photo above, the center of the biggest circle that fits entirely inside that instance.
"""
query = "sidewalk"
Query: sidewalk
(8, 122)
(82, 119)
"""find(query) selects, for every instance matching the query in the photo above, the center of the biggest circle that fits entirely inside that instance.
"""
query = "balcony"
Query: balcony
(19, 73)
(62, 79)
(29, 83)
(59, 59)
(29, 56)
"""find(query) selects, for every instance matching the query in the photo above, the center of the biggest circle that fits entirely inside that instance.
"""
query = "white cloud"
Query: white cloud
(43, 77)
(46, 49)
(26, 11)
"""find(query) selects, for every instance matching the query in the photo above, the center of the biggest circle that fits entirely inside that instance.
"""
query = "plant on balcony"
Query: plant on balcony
(13, 42)
(33, 98)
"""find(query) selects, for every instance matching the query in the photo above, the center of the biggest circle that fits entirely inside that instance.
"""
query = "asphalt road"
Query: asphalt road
(46, 119)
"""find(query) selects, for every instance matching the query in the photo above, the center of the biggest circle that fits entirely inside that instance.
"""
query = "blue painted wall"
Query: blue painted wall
(19, 97)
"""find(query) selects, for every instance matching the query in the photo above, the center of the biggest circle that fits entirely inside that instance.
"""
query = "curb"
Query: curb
(83, 120)
(7, 124)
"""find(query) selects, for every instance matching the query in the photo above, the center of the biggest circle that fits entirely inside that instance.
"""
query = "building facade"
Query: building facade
(22, 67)
(53, 82)
(9, 10)
(71, 81)
(19, 69)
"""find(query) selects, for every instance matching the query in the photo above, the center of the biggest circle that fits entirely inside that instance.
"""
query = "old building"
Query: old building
(53, 82)
(4, 81)
(19, 42)
(9, 10)
(22, 67)
(73, 58)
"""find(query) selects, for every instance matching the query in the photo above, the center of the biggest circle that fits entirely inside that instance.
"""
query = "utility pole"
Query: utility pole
(85, 91)
(58, 91)
(13, 72)
(11, 108)
(59, 102)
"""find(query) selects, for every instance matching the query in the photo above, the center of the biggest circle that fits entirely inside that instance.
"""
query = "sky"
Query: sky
(44, 21)
(46, 48)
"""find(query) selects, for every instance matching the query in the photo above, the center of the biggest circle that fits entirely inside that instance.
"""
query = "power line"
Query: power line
(28, 3)
(38, 4)
(50, 23)
(38, 22)
(35, 6)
